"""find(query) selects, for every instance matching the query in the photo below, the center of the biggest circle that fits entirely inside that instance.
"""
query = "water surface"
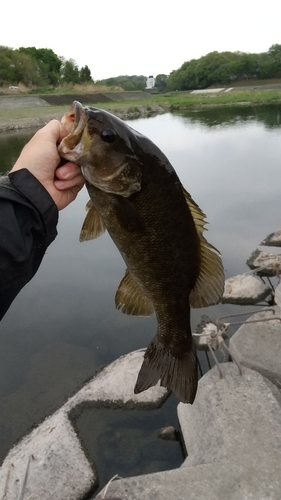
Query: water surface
(63, 325)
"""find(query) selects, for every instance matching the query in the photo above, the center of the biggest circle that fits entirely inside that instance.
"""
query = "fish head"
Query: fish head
(101, 144)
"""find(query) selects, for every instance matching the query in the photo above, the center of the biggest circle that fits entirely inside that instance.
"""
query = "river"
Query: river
(63, 326)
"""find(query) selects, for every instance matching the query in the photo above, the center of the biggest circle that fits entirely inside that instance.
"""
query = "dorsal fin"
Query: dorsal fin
(131, 299)
(209, 285)
(93, 225)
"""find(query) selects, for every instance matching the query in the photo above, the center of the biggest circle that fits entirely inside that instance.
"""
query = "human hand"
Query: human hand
(40, 156)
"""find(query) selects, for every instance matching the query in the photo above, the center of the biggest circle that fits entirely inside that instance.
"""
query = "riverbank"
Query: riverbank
(23, 112)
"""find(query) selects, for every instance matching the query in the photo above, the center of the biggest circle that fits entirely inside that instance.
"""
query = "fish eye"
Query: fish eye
(108, 135)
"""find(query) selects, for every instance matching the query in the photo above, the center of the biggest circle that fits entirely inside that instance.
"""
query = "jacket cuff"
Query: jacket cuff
(28, 186)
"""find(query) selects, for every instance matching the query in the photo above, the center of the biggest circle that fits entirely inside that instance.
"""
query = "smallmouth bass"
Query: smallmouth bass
(136, 195)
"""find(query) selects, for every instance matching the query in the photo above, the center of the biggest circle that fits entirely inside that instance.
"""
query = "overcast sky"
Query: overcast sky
(128, 37)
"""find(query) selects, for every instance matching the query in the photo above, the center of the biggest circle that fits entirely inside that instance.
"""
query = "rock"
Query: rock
(245, 289)
(258, 345)
(270, 263)
(273, 239)
(168, 433)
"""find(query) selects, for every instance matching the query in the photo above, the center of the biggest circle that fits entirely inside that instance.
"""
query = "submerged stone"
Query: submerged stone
(168, 433)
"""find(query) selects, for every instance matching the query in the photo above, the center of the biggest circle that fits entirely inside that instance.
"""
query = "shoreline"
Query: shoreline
(135, 109)
(38, 122)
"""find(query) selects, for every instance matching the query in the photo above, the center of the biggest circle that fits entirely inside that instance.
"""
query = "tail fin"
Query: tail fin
(177, 373)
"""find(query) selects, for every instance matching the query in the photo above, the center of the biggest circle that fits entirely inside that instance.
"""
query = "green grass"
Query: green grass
(181, 100)
(171, 101)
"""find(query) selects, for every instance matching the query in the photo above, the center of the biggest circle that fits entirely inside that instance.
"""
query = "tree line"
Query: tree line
(226, 68)
(39, 67)
(42, 67)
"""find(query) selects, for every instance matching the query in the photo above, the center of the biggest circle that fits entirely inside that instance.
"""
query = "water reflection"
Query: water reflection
(63, 325)
(269, 115)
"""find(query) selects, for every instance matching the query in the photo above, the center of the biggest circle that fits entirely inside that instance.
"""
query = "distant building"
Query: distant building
(150, 82)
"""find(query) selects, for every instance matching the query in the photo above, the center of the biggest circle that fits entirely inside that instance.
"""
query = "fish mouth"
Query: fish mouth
(72, 119)
(75, 122)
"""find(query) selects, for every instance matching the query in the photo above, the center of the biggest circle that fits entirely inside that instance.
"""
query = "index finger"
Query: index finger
(54, 130)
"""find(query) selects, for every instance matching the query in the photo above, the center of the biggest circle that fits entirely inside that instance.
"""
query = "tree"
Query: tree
(70, 72)
(26, 70)
(274, 54)
(161, 82)
(49, 64)
(16, 67)
(135, 82)
(85, 74)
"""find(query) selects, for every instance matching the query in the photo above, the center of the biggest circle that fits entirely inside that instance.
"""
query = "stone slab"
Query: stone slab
(258, 345)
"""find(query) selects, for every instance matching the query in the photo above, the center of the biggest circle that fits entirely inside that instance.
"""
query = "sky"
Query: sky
(125, 37)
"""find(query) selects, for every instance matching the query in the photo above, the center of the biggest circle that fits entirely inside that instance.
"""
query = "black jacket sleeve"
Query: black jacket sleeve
(28, 220)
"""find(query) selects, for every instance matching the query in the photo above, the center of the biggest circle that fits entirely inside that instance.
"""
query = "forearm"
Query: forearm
(28, 219)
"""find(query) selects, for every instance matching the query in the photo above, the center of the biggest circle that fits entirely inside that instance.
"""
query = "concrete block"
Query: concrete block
(232, 433)
(58, 468)
(51, 454)
(273, 239)
(234, 418)
(245, 289)
(270, 263)
(258, 345)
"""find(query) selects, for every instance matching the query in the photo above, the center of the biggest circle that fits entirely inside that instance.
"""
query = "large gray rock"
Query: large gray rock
(258, 345)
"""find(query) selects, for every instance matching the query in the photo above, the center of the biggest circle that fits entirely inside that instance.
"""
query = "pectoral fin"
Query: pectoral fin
(131, 299)
(93, 225)
(209, 286)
